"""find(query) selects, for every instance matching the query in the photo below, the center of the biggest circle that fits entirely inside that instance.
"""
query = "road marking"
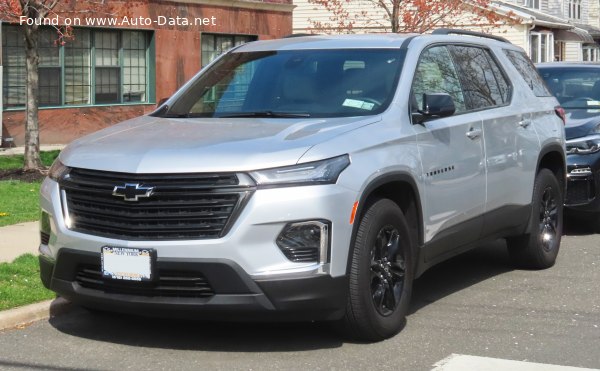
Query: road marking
(461, 362)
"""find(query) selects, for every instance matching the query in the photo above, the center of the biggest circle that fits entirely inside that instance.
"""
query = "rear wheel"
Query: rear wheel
(539, 248)
(381, 274)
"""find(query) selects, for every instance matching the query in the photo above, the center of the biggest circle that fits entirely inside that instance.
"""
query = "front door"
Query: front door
(452, 156)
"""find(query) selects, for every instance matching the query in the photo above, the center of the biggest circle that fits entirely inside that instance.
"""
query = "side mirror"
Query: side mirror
(439, 105)
(434, 106)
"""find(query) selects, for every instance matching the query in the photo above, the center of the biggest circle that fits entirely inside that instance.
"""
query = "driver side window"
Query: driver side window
(436, 74)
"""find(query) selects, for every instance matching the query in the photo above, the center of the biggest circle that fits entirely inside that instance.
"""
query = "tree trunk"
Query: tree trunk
(32, 131)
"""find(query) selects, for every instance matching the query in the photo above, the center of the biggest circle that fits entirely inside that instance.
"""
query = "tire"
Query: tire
(381, 274)
(539, 248)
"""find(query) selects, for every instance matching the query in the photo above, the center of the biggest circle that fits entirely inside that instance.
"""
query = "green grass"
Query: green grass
(19, 202)
(20, 283)
(16, 161)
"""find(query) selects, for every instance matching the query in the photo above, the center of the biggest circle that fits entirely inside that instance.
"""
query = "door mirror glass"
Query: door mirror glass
(437, 105)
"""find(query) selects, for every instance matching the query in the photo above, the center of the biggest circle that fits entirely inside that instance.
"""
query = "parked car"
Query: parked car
(310, 178)
(577, 87)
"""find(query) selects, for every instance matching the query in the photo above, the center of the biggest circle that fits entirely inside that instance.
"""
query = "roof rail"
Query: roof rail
(452, 31)
(299, 35)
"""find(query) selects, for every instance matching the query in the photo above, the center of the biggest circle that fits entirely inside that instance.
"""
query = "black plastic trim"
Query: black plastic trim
(453, 31)
(318, 297)
(392, 177)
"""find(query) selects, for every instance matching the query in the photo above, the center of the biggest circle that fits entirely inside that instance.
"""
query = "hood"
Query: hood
(580, 122)
(164, 145)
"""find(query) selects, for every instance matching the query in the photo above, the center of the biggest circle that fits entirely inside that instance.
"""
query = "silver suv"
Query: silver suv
(310, 178)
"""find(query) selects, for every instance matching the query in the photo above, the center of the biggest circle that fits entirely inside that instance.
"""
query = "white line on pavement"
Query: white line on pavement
(461, 362)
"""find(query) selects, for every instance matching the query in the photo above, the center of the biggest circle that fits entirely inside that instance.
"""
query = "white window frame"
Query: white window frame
(549, 53)
(593, 53)
(574, 9)
(533, 4)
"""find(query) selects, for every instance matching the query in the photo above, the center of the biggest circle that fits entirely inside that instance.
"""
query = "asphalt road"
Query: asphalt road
(475, 304)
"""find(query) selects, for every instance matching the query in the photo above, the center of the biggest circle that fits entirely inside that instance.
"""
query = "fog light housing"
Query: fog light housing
(45, 232)
(305, 242)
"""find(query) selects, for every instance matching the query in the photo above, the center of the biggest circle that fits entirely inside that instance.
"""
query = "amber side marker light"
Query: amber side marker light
(353, 213)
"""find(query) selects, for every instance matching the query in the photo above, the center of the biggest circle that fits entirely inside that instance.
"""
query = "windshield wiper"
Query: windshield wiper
(274, 114)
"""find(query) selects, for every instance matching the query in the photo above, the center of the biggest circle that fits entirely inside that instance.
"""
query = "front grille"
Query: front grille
(169, 284)
(580, 190)
(181, 206)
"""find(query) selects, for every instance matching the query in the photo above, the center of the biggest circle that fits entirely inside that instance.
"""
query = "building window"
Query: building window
(214, 45)
(96, 67)
(535, 4)
(559, 51)
(590, 53)
(574, 9)
(541, 46)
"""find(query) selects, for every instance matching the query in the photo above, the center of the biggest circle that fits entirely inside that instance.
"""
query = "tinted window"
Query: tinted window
(483, 83)
(436, 74)
(316, 83)
(527, 70)
(574, 87)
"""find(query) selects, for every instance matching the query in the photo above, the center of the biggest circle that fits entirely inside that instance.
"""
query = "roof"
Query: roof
(593, 31)
(535, 16)
(356, 41)
(328, 42)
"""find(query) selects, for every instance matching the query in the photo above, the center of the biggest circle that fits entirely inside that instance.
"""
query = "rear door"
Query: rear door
(509, 138)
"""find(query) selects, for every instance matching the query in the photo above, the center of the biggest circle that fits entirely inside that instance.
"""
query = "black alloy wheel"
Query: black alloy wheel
(387, 271)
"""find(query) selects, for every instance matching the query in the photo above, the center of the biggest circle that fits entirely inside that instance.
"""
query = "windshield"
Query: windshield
(298, 83)
(574, 87)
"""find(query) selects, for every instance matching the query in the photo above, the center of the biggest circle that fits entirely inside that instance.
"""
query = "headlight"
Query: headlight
(584, 145)
(57, 170)
(318, 172)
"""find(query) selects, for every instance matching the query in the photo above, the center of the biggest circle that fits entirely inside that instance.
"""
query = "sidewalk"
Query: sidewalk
(21, 150)
(19, 239)
(16, 240)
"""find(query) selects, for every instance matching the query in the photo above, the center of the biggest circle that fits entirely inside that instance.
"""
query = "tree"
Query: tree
(30, 14)
(400, 16)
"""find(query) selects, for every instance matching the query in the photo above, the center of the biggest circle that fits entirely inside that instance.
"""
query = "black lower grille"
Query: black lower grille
(580, 190)
(152, 206)
(169, 284)
(44, 238)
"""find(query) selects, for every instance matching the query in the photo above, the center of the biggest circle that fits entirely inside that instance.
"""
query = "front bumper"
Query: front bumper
(246, 270)
(233, 295)
(583, 176)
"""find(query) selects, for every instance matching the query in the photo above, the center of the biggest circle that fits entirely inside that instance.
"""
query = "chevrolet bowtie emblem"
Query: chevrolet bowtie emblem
(132, 192)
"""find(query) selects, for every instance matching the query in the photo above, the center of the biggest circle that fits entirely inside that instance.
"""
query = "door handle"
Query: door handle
(474, 133)
(524, 123)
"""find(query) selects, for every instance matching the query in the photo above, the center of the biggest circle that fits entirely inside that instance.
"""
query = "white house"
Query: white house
(565, 30)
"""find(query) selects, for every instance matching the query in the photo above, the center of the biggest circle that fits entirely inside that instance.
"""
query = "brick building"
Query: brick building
(111, 73)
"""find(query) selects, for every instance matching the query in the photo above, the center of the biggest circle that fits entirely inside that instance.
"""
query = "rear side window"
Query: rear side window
(529, 73)
(483, 82)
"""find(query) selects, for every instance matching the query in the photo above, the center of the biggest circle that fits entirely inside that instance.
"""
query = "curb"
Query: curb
(34, 312)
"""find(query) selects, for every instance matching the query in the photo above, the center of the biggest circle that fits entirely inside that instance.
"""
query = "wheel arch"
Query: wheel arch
(401, 188)
(552, 157)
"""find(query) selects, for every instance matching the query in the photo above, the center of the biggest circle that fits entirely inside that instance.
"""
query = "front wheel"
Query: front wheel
(539, 248)
(381, 272)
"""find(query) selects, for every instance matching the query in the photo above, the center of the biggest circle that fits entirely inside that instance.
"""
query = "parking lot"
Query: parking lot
(475, 304)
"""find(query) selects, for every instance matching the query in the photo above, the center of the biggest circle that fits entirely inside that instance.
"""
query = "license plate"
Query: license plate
(128, 264)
